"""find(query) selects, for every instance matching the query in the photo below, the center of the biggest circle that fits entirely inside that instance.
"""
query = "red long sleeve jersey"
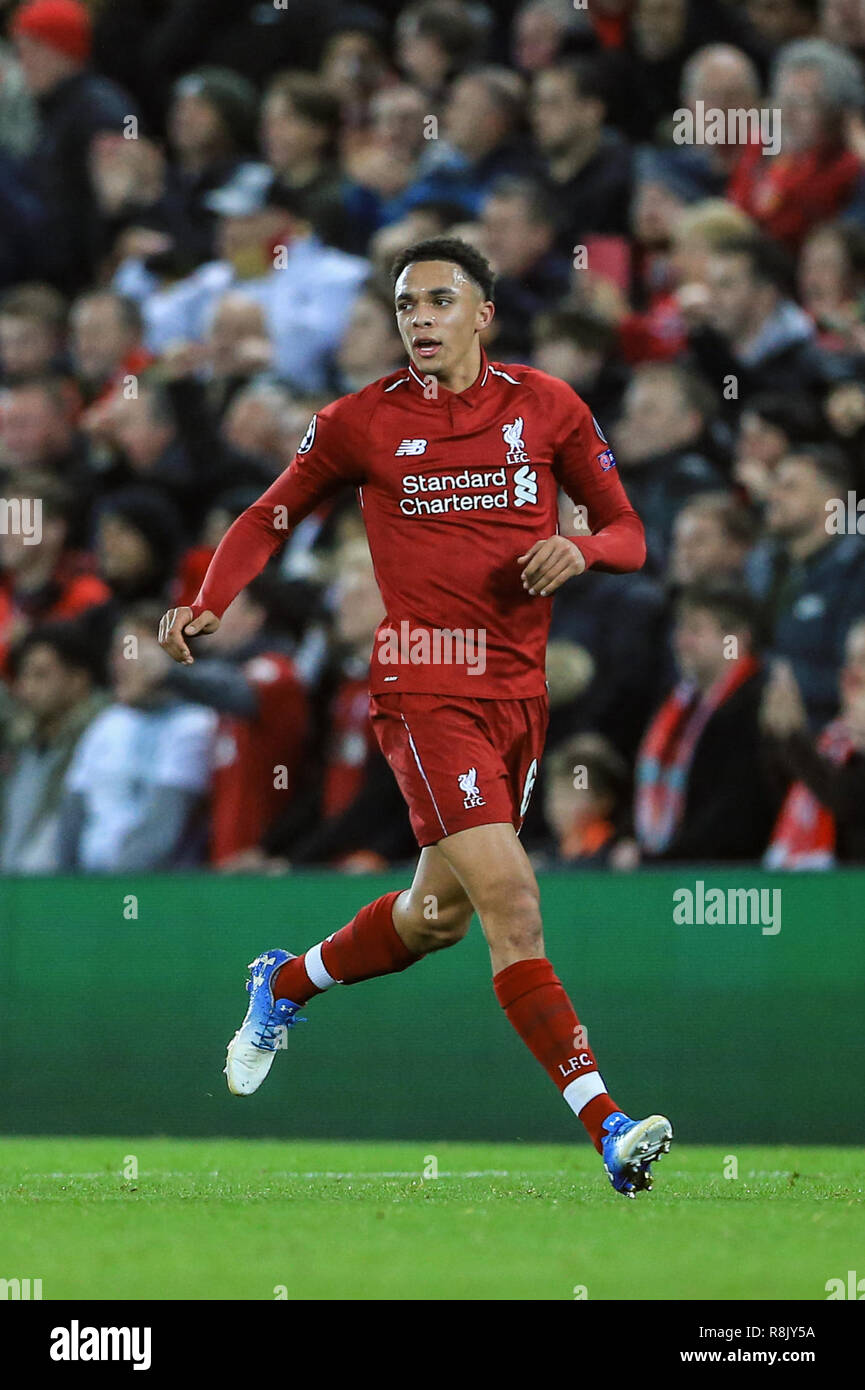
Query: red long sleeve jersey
(453, 488)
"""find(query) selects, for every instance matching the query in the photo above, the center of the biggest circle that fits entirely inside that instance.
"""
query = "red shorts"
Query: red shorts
(461, 762)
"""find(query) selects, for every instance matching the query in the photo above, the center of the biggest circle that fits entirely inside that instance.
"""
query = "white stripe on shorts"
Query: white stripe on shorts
(423, 774)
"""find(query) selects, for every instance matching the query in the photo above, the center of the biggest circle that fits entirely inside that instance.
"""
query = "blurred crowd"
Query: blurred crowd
(199, 204)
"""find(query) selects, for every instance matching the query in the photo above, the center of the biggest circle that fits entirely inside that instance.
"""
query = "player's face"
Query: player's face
(439, 312)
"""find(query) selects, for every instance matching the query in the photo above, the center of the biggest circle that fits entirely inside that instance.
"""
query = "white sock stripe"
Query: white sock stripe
(315, 969)
(582, 1089)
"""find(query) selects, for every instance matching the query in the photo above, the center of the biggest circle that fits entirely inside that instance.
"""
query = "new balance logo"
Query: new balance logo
(525, 486)
(513, 434)
(468, 784)
(411, 446)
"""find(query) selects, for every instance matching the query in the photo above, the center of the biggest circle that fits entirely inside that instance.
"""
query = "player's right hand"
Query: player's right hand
(178, 624)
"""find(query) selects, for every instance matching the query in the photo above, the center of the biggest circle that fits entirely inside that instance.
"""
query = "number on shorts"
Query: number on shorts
(528, 785)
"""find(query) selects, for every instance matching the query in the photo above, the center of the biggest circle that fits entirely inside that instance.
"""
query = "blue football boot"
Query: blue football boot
(253, 1047)
(629, 1146)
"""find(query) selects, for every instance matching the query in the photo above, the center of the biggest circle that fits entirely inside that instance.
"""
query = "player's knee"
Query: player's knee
(437, 926)
(511, 918)
(448, 926)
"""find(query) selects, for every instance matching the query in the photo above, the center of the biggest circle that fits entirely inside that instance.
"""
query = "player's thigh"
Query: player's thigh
(437, 899)
(496, 873)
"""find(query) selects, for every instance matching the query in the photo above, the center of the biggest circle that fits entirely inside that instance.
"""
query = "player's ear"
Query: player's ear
(486, 314)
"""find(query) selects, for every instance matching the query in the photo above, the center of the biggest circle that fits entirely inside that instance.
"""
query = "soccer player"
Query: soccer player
(457, 462)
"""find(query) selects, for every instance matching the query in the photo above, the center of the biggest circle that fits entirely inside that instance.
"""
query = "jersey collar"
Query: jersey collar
(471, 396)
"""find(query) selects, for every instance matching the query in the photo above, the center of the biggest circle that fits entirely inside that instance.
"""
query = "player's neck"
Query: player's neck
(465, 372)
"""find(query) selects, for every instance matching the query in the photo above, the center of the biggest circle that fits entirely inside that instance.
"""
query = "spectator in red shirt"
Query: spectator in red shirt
(262, 733)
(814, 175)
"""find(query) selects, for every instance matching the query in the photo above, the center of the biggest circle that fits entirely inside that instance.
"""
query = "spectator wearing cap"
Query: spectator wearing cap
(269, 250)
(134, 796)
(661, 447)
(588, 166)
(55, 682)
(811, 580)
(814, 176)
(42, 578)
(53, 42)
(749, 331)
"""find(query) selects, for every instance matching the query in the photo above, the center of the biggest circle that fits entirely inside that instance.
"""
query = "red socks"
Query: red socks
(528, 991)
(367, 947)
(541, 1012)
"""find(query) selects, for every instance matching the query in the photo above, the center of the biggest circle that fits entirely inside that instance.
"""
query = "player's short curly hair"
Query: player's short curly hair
(448, 248)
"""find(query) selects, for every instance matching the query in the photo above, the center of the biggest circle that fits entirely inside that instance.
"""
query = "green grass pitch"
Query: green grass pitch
(231, 1219)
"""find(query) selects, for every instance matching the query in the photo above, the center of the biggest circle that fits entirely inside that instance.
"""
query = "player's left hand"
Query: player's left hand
(549, 563)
